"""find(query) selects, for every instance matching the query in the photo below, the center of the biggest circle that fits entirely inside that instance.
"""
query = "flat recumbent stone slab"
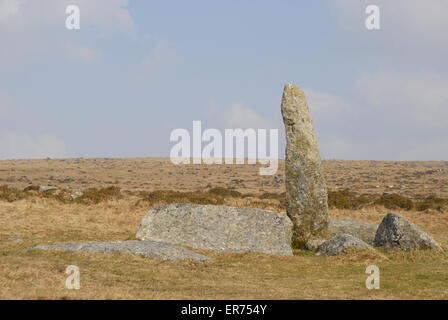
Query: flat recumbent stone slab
(219, 228)
(146, 249)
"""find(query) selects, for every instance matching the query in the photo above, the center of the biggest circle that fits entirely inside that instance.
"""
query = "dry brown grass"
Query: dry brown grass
(41, 274)
(150, 174)
(342, 199)
(108, 213)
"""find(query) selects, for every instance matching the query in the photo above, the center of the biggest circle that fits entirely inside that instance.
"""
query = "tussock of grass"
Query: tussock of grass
(169, 196)
(281, 197)
(31, 188)
(215, 196)
(395, 201)
(345, 199)
(95, 196)
(341, 199)
(11, 194)
(224, 192)
(90, 196)
(431, 202)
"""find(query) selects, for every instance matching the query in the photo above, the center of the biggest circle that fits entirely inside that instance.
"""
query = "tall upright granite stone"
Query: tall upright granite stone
(306, 191)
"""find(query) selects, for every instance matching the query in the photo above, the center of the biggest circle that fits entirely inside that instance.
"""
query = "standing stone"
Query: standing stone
(306, 191)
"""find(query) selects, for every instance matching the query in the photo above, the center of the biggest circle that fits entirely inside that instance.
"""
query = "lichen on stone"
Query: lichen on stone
(306, 191)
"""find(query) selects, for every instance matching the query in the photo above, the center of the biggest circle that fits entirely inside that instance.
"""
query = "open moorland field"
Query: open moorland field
(118, 193)
(369, 177)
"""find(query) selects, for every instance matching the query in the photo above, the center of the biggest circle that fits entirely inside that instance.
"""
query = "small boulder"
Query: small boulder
(31, 188)
(76, 194)
(397, 232)
(339, 243)
(314, 244)
(47, 189)
(219, 228)
(15, 239)
(361, 230)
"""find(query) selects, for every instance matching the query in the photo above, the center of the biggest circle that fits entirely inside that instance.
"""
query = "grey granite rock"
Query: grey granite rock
(146, 249)
(15, 239)
(76, 194)
(361, 230)
(48, 189)
(219, 228)
(314, 244)
(306, 191)
(396, 232)
(341, 242)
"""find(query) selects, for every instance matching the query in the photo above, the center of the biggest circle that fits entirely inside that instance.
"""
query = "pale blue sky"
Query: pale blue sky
(138, 69)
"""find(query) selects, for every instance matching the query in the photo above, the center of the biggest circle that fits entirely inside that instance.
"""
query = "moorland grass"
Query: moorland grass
(340, 199)
(41, 274)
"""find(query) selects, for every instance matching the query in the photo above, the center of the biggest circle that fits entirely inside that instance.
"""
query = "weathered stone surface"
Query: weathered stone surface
(15, 239)
(76, 194)
(361, 230)
(314, 244)
(396, 232)
(306, 191)
(341, 242)
(146, 249)
(219, 228)
(48, 189)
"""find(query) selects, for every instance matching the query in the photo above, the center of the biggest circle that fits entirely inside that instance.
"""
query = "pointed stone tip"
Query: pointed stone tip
(293, 89)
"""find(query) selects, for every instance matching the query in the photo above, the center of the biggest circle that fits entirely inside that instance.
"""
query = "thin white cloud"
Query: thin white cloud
(13, 114)
(23, 134)
(400, 110)
(105, 14)
(237, 115)
(330, 115)
(19, 145)
(80, 53)
(420, 97)
(9, 8)
(389, 115)
(162, 57)
(413, 15)
(32, 29)
(324, 102)
(412, 34)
